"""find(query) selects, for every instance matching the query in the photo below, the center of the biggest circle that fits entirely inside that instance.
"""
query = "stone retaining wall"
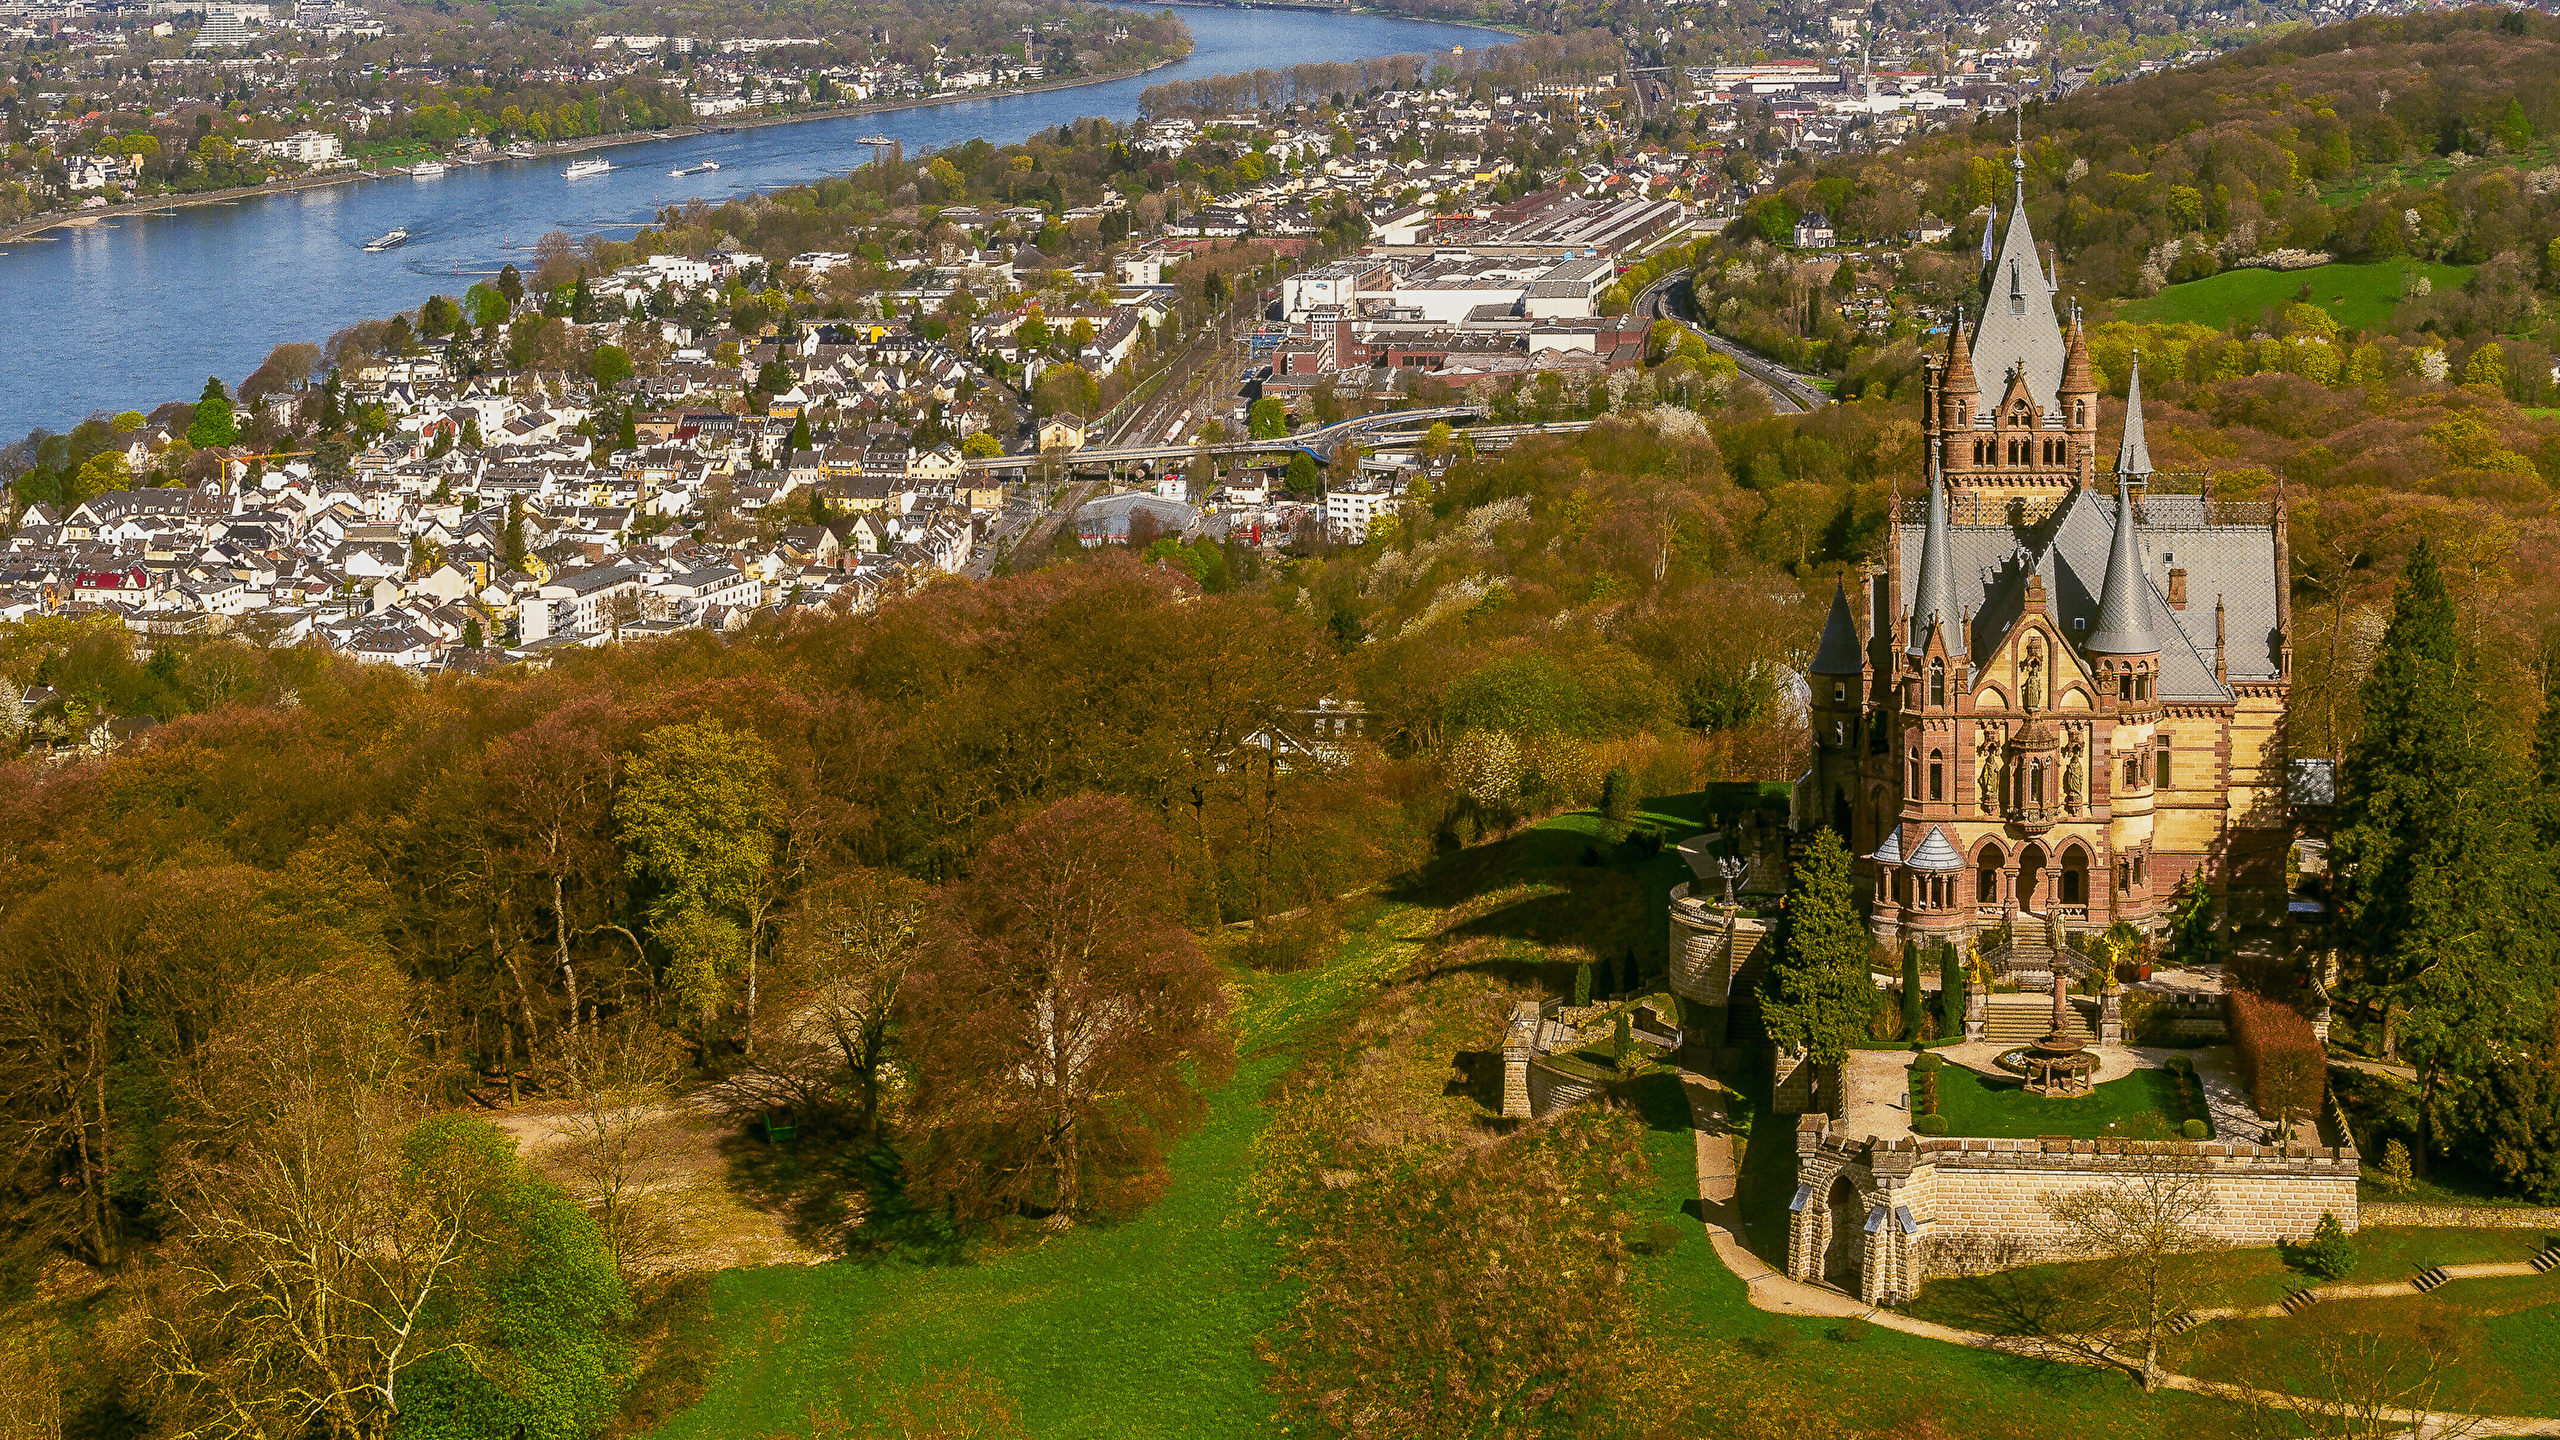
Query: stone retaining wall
(2462, 1217)
(1922, 1202)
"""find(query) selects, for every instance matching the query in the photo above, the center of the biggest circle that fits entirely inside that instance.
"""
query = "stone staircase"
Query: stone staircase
(2543, 1263)
(2023, 1019)
(2428, 1279)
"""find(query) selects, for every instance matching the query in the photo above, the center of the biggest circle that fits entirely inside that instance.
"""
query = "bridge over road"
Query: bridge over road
(1320, 444)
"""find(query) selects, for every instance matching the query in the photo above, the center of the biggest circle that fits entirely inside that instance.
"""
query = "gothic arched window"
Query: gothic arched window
(1937, 682)
(1937, 775)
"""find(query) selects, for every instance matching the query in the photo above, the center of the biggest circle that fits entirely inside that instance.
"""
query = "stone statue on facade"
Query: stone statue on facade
(1986, 752)
(2031, 678)
(2074, 750)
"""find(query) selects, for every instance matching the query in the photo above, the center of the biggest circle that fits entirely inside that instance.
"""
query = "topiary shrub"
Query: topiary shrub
(1929, 1125)
(2196, 1130)
(1928, 1060)
(2330, 1255)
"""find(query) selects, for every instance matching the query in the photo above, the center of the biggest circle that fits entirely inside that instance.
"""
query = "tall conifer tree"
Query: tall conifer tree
(1816, 995)
(2442, 886)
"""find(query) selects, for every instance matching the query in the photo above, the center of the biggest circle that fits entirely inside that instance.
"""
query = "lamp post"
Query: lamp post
(1730, 868)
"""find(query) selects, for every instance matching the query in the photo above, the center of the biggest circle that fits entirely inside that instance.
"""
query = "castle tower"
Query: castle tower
(2123, 652)
(2078, 394)
(2033, 440)
(1837, 678)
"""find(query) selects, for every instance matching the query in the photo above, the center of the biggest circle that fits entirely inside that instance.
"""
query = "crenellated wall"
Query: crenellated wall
(1918, 1196)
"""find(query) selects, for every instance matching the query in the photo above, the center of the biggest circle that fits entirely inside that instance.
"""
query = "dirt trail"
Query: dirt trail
(708, 1223)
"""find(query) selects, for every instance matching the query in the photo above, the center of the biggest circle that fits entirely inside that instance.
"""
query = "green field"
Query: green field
(2242, 1279)
(1148, 1328)
(2505, 1332)
(2360, 296)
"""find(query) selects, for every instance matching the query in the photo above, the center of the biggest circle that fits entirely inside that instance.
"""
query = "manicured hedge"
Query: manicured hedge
(2280, 1058)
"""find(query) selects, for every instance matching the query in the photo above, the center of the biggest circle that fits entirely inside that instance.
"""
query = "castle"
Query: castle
(2065, 690)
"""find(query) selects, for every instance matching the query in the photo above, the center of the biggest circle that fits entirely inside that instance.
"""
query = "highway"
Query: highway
(1794, 393)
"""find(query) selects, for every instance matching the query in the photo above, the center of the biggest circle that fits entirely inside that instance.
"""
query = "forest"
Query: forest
(2425, 137)
(275, 963)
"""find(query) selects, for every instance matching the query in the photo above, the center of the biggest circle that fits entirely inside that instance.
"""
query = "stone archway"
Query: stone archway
(1844, 1250)
(2074, 887)
(2031, 874)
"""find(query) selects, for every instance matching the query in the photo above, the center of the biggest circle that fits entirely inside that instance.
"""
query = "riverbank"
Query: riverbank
(552, 149)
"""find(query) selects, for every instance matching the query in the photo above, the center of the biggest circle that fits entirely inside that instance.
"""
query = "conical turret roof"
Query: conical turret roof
(2133, 457)
(1934, 603)
(2078, 376)
(2124, 610)
(1838, 653)
(1960, 379)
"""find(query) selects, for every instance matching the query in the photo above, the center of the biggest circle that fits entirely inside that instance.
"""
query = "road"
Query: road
(1793, 392)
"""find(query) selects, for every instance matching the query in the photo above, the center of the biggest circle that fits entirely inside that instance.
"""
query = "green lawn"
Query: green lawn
(2138, 1107)
(2362, 297)
(2506, 1332)
(2243, 1279)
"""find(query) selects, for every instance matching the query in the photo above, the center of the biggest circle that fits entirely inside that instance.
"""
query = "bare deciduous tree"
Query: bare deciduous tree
(1063, 1020)
(848, 948)
(617, 1077)
(2140, 1233)
(312, 1244)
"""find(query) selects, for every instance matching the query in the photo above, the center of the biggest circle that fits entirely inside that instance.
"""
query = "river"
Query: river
(138, 310)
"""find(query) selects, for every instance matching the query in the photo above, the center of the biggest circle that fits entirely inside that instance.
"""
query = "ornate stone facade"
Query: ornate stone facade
(2064, 691)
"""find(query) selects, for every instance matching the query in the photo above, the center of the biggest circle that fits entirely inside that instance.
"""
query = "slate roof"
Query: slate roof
(2233, 562)
(1936, 853)
(2124, 622)
(2018, 322)
(1838, 653)
(2133, 457)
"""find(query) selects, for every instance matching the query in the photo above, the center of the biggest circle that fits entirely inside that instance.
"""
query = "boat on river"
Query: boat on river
(391, 241)
(697, 168)
(580, 169)
(427, 169)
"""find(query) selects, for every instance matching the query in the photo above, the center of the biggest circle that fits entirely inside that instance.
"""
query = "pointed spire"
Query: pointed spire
(1933, 602)
(1959, 378)
(1838, 653)
(2078, 378)
(2018, 161)
(2124, 621)
(2133, 457)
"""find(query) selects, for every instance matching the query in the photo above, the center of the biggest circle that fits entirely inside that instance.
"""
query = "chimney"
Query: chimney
(2178, 589)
